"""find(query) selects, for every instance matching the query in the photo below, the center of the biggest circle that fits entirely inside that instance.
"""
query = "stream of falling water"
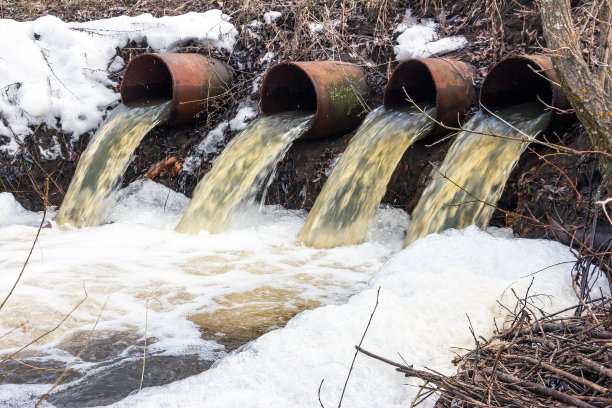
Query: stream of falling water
(102, 164)
(241, 171)
(348, 202)
(473, 174)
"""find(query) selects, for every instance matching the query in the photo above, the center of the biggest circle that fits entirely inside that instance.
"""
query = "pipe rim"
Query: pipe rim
(395, 84)
(269, 107)
(140, 59)
(486, 94)
(445, 82)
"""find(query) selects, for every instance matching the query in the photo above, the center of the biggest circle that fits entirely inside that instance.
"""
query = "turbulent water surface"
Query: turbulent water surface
(248, 317)
(215, 309)
(474, 172)
(241, 172)
(351, 195)
(197, 298)
(105, 159)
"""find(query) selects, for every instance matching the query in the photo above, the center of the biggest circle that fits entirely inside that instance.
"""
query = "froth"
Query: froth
(195, 295)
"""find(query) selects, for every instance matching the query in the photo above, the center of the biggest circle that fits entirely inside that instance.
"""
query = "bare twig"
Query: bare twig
(59, 379)
(360, 342)
(42, 221)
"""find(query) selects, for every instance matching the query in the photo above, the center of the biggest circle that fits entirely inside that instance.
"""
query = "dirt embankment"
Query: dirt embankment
(545, 189)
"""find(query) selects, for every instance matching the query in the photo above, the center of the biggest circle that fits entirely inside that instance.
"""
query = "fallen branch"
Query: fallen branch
(538, 389)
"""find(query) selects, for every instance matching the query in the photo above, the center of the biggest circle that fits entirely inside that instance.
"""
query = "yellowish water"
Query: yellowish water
(245, 316)
(348, 202)
(472, 177)
(241, 171)
(104, 161)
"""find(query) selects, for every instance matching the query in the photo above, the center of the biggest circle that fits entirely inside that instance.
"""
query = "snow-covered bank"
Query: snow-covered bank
(426, 292)
(57, 73)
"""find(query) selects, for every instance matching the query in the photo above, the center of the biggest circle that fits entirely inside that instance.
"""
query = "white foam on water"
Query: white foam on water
(139, 253)
(427, 292)
(12, 213)
(260, 271)
(21, 395)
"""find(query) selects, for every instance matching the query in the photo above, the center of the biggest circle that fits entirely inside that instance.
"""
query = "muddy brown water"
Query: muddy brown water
(471, 179)
(347, 204)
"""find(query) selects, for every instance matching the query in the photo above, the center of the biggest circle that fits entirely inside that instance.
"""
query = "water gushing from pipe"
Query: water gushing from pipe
(521, 99)
(241, 171)
(471, 179)
(443, 89)
(350, 197)
(102, 164)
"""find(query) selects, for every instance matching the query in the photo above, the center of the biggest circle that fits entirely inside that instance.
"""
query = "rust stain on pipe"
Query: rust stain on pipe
(447, 82)
(335, 90)
(194, 82)
(525, 78)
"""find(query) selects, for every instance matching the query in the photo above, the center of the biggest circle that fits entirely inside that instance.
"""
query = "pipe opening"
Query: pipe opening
(516, 80)
(146, 77)
(333, 90)
(412, 77)
(287, 87)
(446, 83)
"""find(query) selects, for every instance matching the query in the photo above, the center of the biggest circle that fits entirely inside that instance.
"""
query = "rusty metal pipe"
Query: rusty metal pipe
(336, 91)
(525, 78)
(193, 82)
(447, 82)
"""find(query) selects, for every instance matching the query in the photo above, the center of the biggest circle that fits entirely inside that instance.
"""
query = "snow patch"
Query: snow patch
(421, 40)
(247, 108)
(316, 28)
(332, 165)
(243, 116)
(210, 144)
(52, 152)
(267, 58)
(271, 16)
(57, 73)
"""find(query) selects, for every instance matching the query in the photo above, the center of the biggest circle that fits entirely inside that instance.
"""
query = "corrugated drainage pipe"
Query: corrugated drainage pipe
(195, 83)
(446, 82)
(336, 91)
(526, 78)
